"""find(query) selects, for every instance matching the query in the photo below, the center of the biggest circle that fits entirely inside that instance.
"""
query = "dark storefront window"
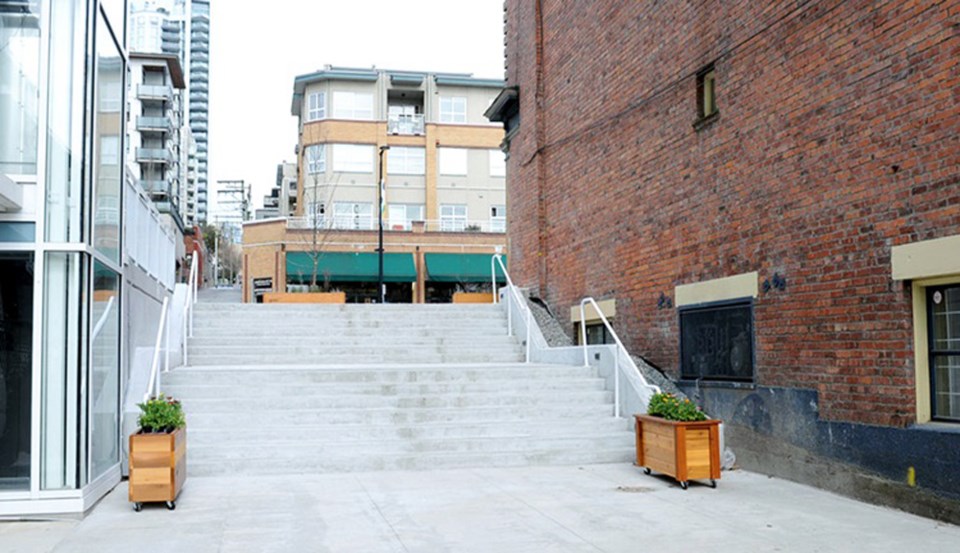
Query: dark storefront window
(16, 345)
(943, 304)
(716, 342)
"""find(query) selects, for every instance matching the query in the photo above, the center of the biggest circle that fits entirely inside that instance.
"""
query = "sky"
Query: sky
(257, 48)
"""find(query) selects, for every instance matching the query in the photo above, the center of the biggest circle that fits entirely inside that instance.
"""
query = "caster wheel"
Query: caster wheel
(171, 505)
(684, 485)
(137, 507)
(647, 470)
(713, 483)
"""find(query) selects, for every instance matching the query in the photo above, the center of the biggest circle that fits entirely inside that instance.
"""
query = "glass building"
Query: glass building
(72, 304)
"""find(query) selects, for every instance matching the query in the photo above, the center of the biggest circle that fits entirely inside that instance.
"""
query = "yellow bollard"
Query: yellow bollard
(911, 477)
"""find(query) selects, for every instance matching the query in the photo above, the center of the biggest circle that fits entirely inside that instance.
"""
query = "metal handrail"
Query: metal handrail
(189, 302)
(153, 388)
(498, 259)
(620, 349)
(103, 319)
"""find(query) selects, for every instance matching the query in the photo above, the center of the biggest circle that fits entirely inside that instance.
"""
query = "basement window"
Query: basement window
(716, 342)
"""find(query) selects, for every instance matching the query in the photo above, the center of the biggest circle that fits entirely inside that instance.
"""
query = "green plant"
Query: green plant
(671, 408)
(162, 414)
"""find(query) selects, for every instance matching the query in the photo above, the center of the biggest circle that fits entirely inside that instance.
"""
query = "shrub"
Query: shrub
(669, 407)
(162, 414)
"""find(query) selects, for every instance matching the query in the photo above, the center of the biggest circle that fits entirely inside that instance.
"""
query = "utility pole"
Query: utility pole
(380, 197)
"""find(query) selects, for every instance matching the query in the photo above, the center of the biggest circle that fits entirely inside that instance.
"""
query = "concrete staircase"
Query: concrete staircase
(275, 389)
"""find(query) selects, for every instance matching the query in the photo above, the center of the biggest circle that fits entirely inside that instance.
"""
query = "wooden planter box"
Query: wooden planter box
(306, 297)
(684, 450)
(472, 297)
(158, 467)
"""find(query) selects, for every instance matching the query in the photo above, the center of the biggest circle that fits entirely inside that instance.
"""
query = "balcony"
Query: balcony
(162, 92)
(405, 124)
(155, 187)
(154, 124)
(154, 155)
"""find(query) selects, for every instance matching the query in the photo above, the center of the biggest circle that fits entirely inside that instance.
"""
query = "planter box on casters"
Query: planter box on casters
(158, 467)
(684, 450)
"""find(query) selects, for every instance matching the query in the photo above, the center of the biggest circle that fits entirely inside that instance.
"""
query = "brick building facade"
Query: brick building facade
(829, 157)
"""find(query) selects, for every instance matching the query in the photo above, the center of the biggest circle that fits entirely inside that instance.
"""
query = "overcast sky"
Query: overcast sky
(257, 48)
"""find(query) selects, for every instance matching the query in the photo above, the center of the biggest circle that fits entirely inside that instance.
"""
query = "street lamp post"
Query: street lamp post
(380, 194)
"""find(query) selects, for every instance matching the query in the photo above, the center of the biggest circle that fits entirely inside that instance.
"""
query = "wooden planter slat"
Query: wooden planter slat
(158, 466)
(684, 450)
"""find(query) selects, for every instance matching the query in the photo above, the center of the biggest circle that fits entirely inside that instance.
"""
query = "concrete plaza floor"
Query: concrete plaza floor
(595, 508)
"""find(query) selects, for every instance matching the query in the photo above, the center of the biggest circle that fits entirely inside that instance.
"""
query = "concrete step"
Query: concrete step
(377, 348)
(381, 374)
(347, 462)
(305, 326)
(357, 340)
(486, 399)
(473, 309)
(453, 356)
(208, 436)
(187, 391)
(235, 420)
(284, 451)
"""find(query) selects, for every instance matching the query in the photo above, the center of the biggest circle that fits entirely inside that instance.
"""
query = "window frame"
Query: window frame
(318, 112)
(748, 302)
(932, 353)
(448, 223)
(356, 216)
(450, 115)
(401, 162)
(352, 112)
(352, 166)
(316, 165)
(498, 155)
(498, 223)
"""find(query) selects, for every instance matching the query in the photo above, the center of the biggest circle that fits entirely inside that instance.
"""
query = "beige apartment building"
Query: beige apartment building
(444, 207)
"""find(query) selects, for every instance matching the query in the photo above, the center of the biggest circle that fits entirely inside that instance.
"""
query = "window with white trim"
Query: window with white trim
(453, 109)
(453, 217)
(401, 216)
(352, 105)
(498, 218)
(353, 216)
(353, 158)
(498, 163)
(316, 158)
(405, 161)
(943, 306)
(316, 106)
(317, 214)
(453, 161)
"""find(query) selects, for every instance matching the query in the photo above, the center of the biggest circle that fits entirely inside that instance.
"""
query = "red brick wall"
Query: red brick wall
(838, 137)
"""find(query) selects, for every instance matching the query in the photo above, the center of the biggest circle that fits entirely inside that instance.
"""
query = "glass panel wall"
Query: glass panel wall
(105, 371)
(62, 451)
(64, 121)
(107, 144)
(16, 346)
(19, 86)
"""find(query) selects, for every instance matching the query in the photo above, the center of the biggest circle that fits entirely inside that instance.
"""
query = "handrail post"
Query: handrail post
(529, 326)
(583, 332)
(154, 383)
(166, 354)
(493, 276)
(616, 384)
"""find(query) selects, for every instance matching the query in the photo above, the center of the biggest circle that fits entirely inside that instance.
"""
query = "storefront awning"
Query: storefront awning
(461, 267)
(350, 267)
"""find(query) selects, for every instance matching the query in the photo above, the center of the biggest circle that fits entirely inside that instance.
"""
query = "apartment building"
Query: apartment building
(767, 197)
(85, 261)
(159, 160)
(443, 180)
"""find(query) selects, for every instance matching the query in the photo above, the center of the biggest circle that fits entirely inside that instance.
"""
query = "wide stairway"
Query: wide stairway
(281, 389)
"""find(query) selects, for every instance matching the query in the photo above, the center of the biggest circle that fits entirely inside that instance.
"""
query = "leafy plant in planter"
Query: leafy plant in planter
(677, 439)
(162, 414)
(158, 453)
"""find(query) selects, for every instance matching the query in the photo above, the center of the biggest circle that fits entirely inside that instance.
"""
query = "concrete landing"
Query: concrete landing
(595, 508)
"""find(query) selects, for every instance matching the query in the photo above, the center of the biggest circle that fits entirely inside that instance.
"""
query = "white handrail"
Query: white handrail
(189, 302)
(620, 349)
(153, 388)
(103, 319)
(498, 259)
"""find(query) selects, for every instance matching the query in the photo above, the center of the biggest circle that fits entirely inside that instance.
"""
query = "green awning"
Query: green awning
(350, 267)
(461, 267)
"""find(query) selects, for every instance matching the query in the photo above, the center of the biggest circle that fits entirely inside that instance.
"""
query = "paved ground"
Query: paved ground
(220, 295)
(598, 508)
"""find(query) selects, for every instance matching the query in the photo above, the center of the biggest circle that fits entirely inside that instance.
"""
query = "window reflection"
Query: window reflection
(109, 112)
(19, 77)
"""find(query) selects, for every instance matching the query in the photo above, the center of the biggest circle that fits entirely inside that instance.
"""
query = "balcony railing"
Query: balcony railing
(157, 124)
(154, 155)
(155, 92)
(155, 187)
(405, 124)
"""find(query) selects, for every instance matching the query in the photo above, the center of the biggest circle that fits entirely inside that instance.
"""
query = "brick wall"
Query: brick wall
(838, 137)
